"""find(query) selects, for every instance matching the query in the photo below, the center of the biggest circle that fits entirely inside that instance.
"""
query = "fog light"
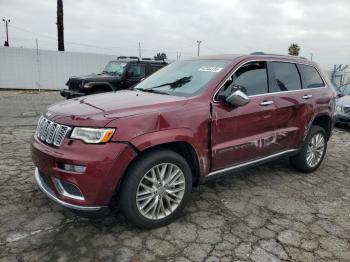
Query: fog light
(339, 108)
(74, 168)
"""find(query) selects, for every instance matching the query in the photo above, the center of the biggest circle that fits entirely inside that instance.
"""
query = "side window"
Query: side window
(311, 77)
(251, 78)
(155, 68)
(287, 77)
(137, 70)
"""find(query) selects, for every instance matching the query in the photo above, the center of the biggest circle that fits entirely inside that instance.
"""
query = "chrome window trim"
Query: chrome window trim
(231, 168)
(272, 93)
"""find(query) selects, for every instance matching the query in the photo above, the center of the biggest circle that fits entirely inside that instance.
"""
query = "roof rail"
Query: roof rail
(142, 59)
(127, 57)
(263, 53)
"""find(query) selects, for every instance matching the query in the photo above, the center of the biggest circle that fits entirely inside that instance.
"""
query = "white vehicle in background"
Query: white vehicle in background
(343, 105)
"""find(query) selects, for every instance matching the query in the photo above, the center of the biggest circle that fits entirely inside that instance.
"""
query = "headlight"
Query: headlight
(339, 108)
(92, 135)
(87, 85)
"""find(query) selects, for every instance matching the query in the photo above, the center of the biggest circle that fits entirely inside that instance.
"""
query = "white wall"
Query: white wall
(23, 68)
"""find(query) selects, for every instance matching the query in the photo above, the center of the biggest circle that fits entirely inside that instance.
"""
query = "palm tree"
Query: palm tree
(60, 29)
(160, 56)
(294, 49)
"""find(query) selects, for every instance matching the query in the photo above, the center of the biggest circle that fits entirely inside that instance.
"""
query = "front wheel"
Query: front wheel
(156, 189)
(311, 155)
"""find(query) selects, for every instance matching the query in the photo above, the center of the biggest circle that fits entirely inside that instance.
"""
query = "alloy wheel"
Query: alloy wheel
(315, 150)
(160, 191)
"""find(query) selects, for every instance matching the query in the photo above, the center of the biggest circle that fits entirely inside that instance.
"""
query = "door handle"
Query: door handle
(266, 103)
(307, 96)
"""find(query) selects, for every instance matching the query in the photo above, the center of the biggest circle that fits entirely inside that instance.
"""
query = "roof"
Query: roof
(257, 55)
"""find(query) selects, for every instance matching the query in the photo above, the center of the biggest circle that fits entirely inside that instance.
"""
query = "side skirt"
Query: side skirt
(228, 170)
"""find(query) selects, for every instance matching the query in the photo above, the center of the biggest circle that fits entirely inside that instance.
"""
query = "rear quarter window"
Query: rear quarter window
(311, 77)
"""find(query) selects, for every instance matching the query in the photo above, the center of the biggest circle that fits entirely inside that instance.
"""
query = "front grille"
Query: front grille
(346, 110)
(74, 84)
(51, 132)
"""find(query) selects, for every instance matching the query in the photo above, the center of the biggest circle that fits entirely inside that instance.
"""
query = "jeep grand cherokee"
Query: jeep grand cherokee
(191, 121)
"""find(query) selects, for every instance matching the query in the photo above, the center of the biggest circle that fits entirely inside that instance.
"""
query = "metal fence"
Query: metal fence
(23, 68)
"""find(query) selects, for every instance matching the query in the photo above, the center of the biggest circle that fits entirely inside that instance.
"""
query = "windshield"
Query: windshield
(114, 67)
(183, 78)
(345, 90)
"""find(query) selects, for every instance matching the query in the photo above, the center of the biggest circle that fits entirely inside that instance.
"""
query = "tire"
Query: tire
(162, 210)
(300, 161)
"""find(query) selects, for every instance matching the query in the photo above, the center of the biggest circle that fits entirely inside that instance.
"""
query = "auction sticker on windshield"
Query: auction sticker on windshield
(213, 69)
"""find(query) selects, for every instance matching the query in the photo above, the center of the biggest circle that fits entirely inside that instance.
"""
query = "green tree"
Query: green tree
(160, 56)
(294, 49)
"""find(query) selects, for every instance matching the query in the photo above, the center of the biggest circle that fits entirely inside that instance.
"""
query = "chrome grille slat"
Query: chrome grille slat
(50, 132)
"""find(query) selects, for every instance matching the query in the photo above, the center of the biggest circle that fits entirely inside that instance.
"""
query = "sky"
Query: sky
(224, 26)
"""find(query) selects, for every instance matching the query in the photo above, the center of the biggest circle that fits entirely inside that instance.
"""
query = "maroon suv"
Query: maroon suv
(193, 120)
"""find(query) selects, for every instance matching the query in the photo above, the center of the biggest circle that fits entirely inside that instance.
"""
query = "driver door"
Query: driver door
(134, 74)
(245, 133)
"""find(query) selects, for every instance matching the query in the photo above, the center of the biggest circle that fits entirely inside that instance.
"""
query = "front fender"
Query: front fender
(153, 139)
(149, 140)
(96, 85)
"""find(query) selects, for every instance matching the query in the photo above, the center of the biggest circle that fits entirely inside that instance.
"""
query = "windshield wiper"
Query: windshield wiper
(177, 83)
(151, 91)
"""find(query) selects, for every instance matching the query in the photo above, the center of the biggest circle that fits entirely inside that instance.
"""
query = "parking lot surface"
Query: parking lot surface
(267, 213)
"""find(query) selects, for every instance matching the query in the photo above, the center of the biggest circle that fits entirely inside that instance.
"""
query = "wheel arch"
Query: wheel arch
(183, 148)
(324, 121)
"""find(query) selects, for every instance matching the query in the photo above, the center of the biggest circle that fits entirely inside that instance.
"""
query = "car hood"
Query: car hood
(345, 100)
(99, 110)
(94, 77)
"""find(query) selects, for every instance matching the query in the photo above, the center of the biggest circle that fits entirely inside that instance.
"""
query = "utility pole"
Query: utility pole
(7, 31)
(38, 82)
(140, 50)
(311, 56)
(178, 55)
(60, 27)
(199, 45)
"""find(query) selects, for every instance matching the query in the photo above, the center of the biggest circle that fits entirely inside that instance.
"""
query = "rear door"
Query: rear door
(315, 92)
(293, 107)
(241, 134)
(135, 72)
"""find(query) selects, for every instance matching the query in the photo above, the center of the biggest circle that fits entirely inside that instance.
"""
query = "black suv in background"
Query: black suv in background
(119, 74)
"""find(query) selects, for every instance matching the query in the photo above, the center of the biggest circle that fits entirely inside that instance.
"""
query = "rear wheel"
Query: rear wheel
(156, 189)
(311, 155)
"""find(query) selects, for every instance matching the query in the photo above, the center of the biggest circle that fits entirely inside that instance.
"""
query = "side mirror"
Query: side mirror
(339, 95)
(237, 98)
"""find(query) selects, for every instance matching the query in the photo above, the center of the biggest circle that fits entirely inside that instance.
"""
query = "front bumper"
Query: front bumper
(105, 166)
(70, 94)
(50, 193)
(342, 119)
